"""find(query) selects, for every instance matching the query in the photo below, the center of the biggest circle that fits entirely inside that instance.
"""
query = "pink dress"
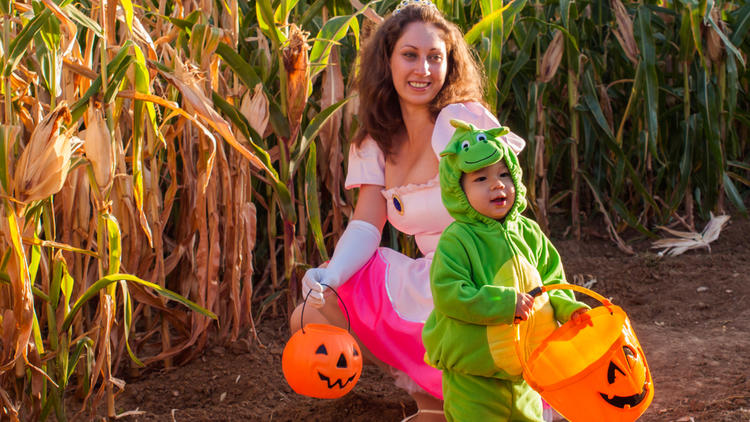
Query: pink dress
(389, 299)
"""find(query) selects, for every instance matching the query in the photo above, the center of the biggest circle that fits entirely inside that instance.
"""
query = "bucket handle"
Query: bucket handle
(304, 303)
(537, 291)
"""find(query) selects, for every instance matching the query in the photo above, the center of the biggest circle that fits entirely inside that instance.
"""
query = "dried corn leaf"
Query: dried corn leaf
(691, 240)
(624, 31)
(23, 301)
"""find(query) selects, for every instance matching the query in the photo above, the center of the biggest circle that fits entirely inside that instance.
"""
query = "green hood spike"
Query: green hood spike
(471, 149)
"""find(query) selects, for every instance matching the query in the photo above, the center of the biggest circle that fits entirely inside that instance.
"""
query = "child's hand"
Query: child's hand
(524, 304)
(579, 316)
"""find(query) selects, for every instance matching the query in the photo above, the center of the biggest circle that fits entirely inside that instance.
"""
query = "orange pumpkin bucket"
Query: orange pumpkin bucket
(321, 360)
(592, 369)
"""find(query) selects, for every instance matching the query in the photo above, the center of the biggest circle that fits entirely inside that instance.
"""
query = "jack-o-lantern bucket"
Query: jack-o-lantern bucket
(321, 361)
(592, 369)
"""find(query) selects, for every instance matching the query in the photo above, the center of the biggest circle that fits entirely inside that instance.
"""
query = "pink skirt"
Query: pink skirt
(392, 339)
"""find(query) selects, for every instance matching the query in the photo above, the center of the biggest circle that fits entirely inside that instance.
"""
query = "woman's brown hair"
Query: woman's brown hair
(379, 108)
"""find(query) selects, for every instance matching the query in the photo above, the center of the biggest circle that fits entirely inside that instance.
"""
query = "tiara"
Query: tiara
(406, 3)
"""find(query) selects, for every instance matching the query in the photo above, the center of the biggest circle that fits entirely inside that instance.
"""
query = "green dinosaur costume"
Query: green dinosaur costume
(479, 265)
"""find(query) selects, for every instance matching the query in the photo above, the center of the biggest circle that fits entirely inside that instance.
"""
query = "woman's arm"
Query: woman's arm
(353, 250)
(370, 206)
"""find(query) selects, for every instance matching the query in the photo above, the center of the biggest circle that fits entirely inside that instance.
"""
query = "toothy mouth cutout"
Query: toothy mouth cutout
(629, 401)
(338, 381)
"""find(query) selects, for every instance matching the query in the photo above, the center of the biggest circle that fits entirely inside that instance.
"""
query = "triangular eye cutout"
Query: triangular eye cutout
(354, 351)
(611, 372)
(321, 350)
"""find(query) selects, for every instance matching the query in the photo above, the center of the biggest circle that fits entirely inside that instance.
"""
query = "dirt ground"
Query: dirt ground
(691, 314)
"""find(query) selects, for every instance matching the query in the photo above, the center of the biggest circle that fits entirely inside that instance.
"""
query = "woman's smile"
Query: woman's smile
(419, 64)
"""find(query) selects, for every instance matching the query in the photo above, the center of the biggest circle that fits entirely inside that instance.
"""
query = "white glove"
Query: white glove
(353, 250)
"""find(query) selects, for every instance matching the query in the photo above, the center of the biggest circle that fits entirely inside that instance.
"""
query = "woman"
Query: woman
(416, 74)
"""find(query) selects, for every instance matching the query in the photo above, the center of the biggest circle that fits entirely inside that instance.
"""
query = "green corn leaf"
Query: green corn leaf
(20, 44)
(127, 7)
(127, 320)
(311, 200)
(122, 59)
(6, 6)
(695, 28)
(734, 194)
(741, 18)
(55, 285)
(83, 344)
(631, 219)
(116, 80)
(522, 57)
(495, 17)
(113, 237)
(311, 12)
(241, 68)
(105, 281)
(330, 34)
(565, 12)
(265, 15)
(282, 12)
(645, 41)
(77, 16)
(311, 131)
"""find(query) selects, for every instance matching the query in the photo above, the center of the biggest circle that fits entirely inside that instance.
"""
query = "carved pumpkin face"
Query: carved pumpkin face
(322, 361)
(627, 381)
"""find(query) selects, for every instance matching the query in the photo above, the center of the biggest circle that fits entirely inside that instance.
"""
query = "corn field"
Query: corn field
(170, 169)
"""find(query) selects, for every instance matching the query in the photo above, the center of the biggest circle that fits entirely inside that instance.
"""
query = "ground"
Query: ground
(690, 312)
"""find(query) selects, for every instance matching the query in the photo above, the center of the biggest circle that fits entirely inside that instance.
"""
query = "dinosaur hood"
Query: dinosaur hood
(471, 149)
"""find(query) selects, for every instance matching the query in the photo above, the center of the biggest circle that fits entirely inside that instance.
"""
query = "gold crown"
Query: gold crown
(406, 3)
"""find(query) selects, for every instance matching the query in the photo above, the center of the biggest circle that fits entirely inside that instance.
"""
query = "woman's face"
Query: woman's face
(419, 64)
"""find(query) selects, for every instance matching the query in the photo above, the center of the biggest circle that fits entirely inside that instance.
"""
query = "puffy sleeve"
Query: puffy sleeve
(473, 113)
(366, 165)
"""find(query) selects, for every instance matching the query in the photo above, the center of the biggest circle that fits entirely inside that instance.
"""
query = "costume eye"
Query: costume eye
(481, 137)
(321, 350)
(465, 145)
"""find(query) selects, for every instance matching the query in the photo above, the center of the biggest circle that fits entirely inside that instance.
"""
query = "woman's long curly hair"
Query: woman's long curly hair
(379, 108)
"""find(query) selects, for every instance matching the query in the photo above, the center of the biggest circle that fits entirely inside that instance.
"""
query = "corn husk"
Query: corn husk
(691, 240)
(624, 31)
(296, 64)
(254, 107)
(713, 40)
(97, 143)
(552, 58)
(44, 163)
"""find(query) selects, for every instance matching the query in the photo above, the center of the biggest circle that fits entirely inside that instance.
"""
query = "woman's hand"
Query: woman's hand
(313, 283)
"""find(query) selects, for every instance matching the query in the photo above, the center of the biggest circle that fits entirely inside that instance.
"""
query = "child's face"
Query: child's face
(490, 190)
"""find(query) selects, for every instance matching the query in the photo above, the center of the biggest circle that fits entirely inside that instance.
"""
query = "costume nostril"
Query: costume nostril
(342, 361)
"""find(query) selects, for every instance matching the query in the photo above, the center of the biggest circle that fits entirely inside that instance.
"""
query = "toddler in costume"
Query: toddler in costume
(484, 263)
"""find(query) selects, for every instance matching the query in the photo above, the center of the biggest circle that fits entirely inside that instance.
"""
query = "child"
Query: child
(484, 263)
